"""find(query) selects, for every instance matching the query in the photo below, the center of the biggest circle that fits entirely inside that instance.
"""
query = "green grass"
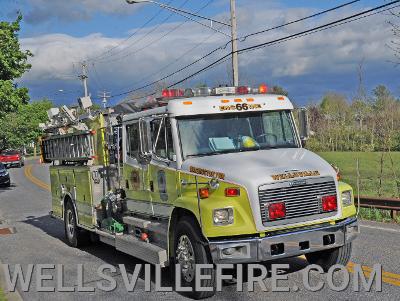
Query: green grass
(2, 296)
(369, 171)
(377, 215)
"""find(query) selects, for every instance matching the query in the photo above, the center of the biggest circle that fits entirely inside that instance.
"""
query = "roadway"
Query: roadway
(35, 237)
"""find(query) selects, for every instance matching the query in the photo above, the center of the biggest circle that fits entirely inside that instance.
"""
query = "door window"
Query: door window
(162, 138)
(132, 131)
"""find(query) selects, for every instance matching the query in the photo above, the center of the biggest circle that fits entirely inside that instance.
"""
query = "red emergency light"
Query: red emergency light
(263, 89)
(232, 192)
(329, 203)
(276, 211)
(170, 93)
(242, 90)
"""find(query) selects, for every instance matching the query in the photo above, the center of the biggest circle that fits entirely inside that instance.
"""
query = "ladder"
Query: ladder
(76, 147)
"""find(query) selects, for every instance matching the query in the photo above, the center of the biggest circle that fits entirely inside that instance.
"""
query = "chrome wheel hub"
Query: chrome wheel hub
(70, 223)
(185, 258)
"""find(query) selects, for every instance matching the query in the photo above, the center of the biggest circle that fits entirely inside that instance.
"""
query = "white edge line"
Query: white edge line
(380, 228)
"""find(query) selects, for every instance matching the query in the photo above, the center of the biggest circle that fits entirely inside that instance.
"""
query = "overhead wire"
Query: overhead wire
(131, 35)
(342, 21)
(222, 47)
(110, 58)
(154, 41)
(177, 59)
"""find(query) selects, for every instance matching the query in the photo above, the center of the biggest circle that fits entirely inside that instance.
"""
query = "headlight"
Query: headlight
(346, 198)
(223, 216)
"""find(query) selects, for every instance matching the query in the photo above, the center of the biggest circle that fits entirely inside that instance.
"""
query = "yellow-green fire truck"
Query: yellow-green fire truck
(201, 176)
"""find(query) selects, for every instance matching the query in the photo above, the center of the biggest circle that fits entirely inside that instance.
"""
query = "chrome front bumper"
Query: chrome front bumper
(284, 245)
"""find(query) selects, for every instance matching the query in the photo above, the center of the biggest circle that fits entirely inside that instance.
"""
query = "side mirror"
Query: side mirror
(304, 128)
(144, 158)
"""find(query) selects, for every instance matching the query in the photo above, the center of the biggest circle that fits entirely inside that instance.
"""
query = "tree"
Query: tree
(279, 90)
(13, 64)
(22, 127)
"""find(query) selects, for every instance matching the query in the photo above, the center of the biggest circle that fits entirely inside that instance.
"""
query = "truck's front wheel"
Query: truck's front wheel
(328, 258)
(190, 250)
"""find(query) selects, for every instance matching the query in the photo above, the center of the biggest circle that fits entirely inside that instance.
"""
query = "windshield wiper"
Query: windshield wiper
(279, 146)
(213, 153)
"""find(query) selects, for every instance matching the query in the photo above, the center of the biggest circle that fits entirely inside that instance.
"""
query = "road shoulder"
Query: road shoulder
(10, 296)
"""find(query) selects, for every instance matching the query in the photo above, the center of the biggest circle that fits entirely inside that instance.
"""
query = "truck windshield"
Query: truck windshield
(238, 132)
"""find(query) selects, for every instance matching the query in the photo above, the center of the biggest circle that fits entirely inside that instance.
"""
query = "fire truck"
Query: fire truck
(198, 176)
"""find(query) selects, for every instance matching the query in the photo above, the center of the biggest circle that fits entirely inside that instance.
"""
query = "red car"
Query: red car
(12, 158)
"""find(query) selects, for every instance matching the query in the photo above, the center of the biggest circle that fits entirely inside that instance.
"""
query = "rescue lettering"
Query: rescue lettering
(207, 173)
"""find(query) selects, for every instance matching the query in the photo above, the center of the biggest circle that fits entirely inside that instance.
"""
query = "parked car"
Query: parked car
(4, 176)
(12, 158)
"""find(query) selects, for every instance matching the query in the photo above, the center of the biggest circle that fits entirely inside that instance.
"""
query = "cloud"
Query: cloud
(329, 58)
(74, 10)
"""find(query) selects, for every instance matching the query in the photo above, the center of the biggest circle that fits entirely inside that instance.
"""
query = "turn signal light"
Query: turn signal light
(204, 193)
(329, 203)
(232, 192)
(276, 211)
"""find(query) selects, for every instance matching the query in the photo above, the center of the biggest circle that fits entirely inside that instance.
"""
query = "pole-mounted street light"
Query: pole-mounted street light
(189, 15)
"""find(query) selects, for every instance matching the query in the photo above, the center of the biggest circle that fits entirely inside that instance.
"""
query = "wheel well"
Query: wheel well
(68, 199)
(176, 215)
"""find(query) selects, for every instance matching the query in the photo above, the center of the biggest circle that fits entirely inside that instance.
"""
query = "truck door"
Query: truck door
(136, 169)
(163, 172)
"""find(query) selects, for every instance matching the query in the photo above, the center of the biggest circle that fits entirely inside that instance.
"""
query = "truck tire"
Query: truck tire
(328, 258)
(190, 249)
(75, 236)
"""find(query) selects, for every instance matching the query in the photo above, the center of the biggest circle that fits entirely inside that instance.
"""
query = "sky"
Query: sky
(128, 46)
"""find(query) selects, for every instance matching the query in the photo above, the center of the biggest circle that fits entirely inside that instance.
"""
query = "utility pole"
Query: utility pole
(105, 95)
(235, 56)
(83, 77)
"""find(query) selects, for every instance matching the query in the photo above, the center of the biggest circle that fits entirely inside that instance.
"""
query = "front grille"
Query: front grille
(300, 200)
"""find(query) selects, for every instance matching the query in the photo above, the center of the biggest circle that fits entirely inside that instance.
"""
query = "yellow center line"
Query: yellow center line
(387, 277)
(34, 180)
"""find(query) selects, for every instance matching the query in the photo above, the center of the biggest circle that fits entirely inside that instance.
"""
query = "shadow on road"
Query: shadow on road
(110, 255)
(7, 188)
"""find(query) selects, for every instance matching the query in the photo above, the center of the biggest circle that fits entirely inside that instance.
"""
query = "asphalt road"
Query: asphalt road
(40, 239)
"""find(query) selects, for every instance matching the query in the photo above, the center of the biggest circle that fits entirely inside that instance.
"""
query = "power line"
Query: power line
(169, 75)
(154, 41)
(178, 58)
(349, 19)
(222, 47)
(131, 35)
(96, 77)
(326, 26)
(105, 58)
(243, 38)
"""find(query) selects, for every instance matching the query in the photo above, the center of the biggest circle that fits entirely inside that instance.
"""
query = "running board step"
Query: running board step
(156, 227)
(146, 251)
(137, 222)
